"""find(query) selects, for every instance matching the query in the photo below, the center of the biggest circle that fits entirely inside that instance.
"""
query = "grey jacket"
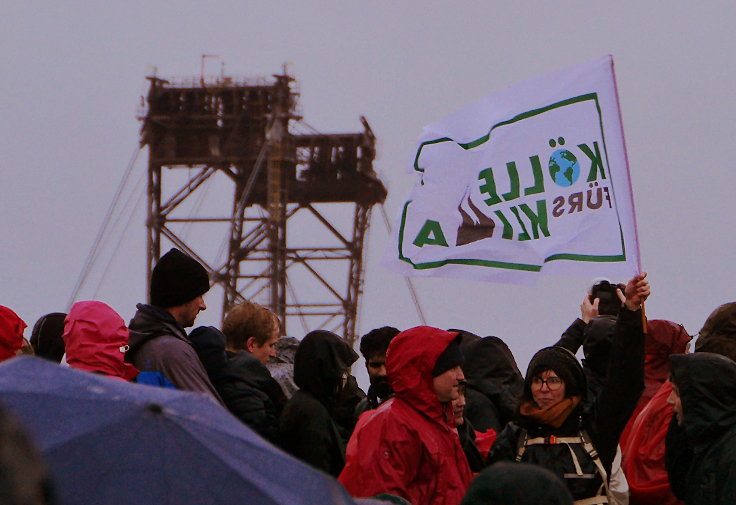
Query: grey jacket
(159, 344)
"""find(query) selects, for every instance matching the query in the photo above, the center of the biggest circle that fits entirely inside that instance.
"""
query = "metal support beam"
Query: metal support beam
(238, 133)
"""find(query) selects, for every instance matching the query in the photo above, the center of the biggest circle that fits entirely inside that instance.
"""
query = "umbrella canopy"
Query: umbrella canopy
(110, 442)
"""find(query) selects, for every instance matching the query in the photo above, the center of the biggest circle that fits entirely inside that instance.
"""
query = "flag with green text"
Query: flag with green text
(531, 179)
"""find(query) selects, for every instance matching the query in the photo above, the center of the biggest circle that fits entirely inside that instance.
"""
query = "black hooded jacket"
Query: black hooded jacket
(596, 339)
(244, 383)
(494, 383)
(307, 427)
(603, 418)
(466, 432)
(701, 451)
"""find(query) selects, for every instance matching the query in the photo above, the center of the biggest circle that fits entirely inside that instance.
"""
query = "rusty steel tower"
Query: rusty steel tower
(276, 215)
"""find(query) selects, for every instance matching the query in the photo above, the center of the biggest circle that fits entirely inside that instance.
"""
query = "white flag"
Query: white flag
(532, 179)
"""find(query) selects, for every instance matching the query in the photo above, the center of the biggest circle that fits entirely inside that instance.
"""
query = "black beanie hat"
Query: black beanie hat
(564, 364)
(177, 279)
(451, 357)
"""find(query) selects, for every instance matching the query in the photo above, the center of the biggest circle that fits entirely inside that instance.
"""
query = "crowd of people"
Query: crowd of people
(448, 417)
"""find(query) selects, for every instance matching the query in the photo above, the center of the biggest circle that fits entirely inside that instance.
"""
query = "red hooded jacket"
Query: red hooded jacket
(663, 338)
(96, 339)
(643, 440)
(409, 445)
(643, 455)
(11, 333)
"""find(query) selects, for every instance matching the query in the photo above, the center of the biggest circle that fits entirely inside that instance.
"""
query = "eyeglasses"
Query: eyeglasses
(553, 383)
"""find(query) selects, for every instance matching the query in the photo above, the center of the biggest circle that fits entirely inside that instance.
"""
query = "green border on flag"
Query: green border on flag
(502, 264)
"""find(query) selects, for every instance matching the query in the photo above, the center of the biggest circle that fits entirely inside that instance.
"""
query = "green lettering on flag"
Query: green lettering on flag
(430, 234)
(508, 231)
(538, 178)
(513, 193)
(596, 162)
(489, 188)
(538, 220)
(524, 235)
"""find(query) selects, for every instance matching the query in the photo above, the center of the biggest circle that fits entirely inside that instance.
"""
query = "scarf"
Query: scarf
(554, 415)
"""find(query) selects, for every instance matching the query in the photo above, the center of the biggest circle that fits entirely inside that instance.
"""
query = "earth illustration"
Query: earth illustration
(564, 168)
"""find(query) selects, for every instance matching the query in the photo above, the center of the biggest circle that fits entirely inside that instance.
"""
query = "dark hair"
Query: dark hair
(46, 337)
(376, 341)
(521, 483)
(609, 303)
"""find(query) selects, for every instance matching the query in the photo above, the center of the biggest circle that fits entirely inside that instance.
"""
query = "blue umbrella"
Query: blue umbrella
(109, 442)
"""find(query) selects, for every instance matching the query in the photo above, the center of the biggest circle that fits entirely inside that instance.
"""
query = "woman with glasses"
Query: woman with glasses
(559, 428)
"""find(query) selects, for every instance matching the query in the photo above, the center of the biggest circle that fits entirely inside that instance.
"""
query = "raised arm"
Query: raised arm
(625, 377)
(573, 337)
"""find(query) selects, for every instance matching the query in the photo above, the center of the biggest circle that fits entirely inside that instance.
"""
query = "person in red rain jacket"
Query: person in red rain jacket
(643, 460)
(96, 338)
(663, 339)
(11, 333)
(409, 446)
(643, 440)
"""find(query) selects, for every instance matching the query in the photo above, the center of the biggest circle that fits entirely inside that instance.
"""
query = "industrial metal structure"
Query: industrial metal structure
(291, 208)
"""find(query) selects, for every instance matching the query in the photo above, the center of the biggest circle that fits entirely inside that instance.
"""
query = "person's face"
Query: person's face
(376, 366)
(187, 313)
(458, 407)
(266, 351)
(446, 385)
(547, 389)
(674, 400)
(25, 348)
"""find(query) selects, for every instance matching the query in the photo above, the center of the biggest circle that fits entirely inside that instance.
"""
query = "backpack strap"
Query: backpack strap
(595, 500)
(521, 444)
(591, 450)
(587, 444)
(554, 440)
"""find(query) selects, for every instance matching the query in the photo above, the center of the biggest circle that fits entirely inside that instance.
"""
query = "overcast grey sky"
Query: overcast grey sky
(73, 73)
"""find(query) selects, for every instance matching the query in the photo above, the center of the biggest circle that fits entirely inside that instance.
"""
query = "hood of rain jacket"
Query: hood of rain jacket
(490, 366)
(721, 322)
(320, 360)
(663, 339)
(408, 446)
(149, 323)
(96, 338)
(700, 452)
(718, 334)
(11, 333)
(410, 358)
(707, 386)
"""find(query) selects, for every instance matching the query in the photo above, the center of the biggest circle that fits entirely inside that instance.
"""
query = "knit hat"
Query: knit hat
(564, 364)
(177, 279)
(451, 357)
(11, 333)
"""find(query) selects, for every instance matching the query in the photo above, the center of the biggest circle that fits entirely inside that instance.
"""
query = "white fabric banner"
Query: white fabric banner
(531, 179)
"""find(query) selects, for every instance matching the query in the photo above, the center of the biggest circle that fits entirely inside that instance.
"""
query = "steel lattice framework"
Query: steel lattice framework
(320, 186)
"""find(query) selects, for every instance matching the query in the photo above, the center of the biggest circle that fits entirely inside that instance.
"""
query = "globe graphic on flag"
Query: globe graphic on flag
(564, 168)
